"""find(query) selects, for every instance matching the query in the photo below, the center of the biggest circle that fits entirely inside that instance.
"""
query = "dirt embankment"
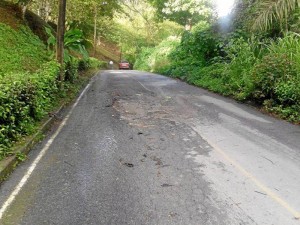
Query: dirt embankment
(10, 14)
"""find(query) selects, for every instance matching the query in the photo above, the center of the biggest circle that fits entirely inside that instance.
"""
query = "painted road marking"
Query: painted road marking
(265, 189)
(30, 170)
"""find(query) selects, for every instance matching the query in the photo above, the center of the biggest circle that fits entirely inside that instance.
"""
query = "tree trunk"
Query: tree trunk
(95, 30)
(24, 9)
(60, 37)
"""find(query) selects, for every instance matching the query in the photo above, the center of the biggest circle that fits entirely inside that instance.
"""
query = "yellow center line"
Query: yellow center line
(265, 189)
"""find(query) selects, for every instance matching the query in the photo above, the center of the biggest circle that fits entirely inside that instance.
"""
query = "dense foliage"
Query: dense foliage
(136, 28)
(24, 98)
(252, 54)
(183, 11)
(29, 85)
(262, 67)
(156, 59)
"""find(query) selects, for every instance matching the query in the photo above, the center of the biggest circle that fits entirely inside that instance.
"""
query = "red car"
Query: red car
(124, 65)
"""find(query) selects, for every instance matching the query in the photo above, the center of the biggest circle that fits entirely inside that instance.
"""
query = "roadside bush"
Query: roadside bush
(277, 75)
(277, 85)
(241, 57)
(96, 63)
(273, 70)
(210, 77)
(25, 98)
(157, 59)
(288, 93)
(142, 61)
(85, 64)
(257, 69)
(71, 69)
(197, 48)
(229, 74)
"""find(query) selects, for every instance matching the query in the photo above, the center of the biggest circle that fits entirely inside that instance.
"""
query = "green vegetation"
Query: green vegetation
(136, 27)
(156, 59)
(29, 86)
(21, 157)
(20, 50)
(254, 56)
(25, 98)
(251, 55)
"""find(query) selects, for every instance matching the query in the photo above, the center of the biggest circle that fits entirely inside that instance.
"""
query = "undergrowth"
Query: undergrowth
(29, 85)
(263, 71)
(20, 50)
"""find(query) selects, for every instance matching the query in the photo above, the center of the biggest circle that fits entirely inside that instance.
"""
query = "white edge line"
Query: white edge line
(27, 175)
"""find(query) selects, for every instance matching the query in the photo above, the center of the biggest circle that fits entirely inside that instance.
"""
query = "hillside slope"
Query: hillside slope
(29, 87)
(20, 50)
(24, 42)
(106, 51)
(28, 77)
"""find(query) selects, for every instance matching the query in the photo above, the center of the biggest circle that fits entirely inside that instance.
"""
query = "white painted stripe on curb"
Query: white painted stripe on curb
(25, 178)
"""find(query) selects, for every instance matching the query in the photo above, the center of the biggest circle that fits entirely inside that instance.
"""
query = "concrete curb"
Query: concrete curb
(8, 165)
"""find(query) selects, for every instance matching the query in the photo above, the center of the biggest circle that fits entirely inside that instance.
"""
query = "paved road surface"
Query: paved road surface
(143, 149)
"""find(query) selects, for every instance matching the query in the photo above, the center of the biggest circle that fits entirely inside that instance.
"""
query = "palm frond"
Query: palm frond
(270, 11)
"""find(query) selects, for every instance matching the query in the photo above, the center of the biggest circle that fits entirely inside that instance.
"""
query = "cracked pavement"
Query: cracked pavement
(141, 148)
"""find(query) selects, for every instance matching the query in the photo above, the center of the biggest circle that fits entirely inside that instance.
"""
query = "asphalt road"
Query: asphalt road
(144, 149)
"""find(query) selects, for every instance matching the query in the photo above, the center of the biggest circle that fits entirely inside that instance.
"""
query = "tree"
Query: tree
(141, 15)
(136, 27)
(184, 11)
(86, 15)
(100, 8)
(92, 12)
(270, 12)
(60, 36)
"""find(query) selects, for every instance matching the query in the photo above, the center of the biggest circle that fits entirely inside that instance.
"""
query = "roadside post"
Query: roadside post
(60, 37)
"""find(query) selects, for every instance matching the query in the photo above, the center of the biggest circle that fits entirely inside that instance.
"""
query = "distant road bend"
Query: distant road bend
(139, 148)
